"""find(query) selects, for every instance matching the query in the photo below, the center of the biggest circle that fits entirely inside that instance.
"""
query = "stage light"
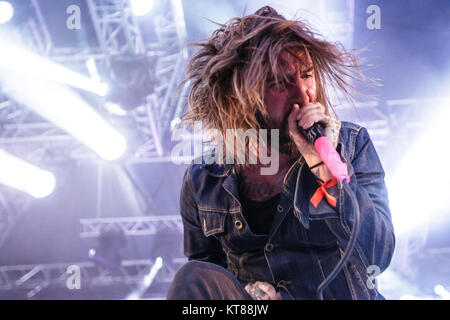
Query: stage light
(132, 80)
(417, 193)
(151, 275)
(141, 7)
(37, 84)
(92, 69)
(6, 11)
(19, 61)
(114, 108)
(175, 123)
(24, 176)
(91, 253)
(68, 111)
(442, 292)
(148, 279)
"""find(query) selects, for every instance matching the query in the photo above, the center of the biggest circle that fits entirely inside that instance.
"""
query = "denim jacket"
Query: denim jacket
(304, 243)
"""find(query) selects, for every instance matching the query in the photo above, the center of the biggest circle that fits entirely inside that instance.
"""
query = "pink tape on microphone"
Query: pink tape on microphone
(331, 159)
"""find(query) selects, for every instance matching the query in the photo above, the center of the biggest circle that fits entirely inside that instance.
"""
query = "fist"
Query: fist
(306, 117)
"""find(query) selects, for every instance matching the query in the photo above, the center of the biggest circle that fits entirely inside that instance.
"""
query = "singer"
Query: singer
(272, 237)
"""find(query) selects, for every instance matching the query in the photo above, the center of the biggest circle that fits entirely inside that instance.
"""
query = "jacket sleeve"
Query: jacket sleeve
(196, 245)
(376, 240)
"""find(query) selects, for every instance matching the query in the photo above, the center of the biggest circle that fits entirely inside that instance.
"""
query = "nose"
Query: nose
(299, 93)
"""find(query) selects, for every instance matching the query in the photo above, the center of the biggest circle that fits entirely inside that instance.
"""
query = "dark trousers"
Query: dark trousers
(198, 280)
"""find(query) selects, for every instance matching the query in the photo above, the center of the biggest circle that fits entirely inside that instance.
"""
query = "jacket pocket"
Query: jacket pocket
(212, 222)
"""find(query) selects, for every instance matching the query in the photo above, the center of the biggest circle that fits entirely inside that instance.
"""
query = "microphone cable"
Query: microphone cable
(338, 169)
(350, 246)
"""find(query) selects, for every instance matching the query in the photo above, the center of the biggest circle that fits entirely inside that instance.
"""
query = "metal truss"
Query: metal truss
(163, 105)
(118, 33)
(389, 120)
(12, 205)
(46, 276)
(132, 226)
(38, 32)
(116, 27)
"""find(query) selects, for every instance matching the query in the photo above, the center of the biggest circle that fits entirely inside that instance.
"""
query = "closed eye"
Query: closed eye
(277, 85)
(308, 73)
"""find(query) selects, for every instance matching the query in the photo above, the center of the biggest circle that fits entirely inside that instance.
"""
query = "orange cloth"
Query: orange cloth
(321, 191)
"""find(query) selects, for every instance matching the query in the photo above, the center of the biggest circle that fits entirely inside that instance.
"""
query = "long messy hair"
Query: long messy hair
(229, 72)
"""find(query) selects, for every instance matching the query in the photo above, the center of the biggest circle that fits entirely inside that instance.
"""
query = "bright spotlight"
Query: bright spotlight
(114, 108)
(416, 195)
(19, 61)
(68, 111)
(151, 275)
(174, 123)
(141, 7)
(102, 89)
(6, 11)
(442, 292)
(91, 253)
(24, 176)
(148, 279)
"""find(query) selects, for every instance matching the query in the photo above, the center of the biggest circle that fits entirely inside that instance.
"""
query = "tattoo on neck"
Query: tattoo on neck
(259, 190)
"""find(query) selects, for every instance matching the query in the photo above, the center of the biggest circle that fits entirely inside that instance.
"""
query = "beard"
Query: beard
(286, 145)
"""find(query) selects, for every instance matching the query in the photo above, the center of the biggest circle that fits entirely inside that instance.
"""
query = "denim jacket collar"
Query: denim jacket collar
(217, 170)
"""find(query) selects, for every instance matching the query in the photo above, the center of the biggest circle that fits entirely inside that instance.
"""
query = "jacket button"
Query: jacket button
(238, 224)
(269, 247)
(280, 208)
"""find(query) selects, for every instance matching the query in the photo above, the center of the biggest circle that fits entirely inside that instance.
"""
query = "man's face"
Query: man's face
(280, 97)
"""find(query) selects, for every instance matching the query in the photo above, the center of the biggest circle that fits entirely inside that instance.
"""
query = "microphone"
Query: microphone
(315, 131)
(316, 135)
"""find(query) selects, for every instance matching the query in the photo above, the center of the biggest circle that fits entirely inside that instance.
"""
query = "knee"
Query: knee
(188, 281)
(191, 270)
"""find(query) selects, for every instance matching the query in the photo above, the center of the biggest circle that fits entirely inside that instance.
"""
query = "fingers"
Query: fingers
(310, 108)
(310, 114)
(256, 292)
(262, 291)
(269, 290)
(294, 133)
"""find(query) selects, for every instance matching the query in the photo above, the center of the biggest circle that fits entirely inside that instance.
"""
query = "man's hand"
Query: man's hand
(262, 291)
(305, 117)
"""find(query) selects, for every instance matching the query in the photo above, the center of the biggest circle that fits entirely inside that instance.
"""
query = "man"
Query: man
(254, 236)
